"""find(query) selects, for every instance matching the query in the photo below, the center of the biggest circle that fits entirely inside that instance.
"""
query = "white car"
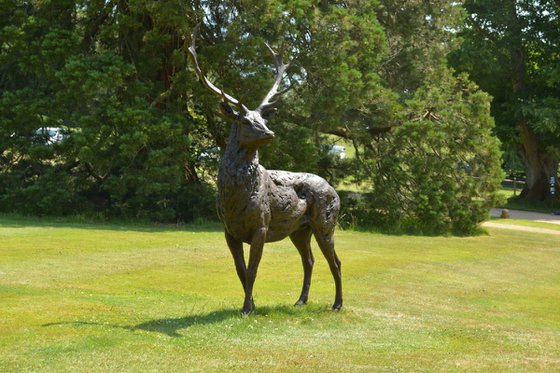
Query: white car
(338, 151)
(50, 135)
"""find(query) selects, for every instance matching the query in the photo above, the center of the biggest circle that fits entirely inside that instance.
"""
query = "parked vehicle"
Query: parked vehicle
(337, 151)
(50, 135)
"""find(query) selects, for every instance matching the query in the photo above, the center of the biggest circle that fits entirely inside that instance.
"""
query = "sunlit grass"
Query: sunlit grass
(100, 297)
(349, 185)
(528, 223)
(508, 193)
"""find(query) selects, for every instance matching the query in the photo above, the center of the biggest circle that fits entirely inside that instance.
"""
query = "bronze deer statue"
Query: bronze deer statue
(258, 205)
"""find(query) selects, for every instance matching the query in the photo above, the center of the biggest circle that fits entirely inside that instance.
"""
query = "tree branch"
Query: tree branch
(90, 34)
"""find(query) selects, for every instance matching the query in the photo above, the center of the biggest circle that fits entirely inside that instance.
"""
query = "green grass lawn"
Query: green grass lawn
(527, 223)
(507, 193)
(95, 297)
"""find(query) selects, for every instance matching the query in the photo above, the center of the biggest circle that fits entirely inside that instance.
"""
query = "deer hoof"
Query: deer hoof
(248, 309)
(300, 302)
(337, 307)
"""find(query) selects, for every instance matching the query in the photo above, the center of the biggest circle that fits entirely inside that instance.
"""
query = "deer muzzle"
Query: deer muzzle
(268, 135)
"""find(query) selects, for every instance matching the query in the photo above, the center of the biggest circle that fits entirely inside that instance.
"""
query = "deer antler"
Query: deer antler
(269, 100)
(204, 79)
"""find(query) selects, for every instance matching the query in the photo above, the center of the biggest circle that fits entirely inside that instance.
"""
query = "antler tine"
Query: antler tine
(202, 77)
(281, 67)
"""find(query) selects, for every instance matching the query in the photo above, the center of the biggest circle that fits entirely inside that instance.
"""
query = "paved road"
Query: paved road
(528, 215)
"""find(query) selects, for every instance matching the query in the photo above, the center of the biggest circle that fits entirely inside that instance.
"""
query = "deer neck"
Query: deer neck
(239, 163)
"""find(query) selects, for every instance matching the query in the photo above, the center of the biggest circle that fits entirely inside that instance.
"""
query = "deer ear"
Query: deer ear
(228, 111)
(269, 113)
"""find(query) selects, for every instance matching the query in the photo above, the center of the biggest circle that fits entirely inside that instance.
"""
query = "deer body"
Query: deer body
(251, 197)
(257, 206)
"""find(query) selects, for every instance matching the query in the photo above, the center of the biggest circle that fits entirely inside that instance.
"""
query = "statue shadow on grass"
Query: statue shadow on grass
(171, 326)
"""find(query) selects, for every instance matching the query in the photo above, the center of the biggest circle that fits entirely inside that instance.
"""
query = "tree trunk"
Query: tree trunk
(539, 165)
(189, 173)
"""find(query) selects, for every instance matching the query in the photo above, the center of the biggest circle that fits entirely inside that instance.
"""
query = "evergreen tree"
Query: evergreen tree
(438, 172)
(430, 151)
(111, 75)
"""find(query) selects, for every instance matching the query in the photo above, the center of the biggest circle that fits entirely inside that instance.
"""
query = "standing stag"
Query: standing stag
(258, 205)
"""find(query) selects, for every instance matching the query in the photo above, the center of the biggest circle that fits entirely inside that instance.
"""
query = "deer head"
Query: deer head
(251, 124)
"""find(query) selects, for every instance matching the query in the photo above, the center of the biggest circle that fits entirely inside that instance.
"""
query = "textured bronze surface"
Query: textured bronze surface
(258, 205)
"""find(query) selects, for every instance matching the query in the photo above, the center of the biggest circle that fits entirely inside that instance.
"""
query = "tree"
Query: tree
(335, 47)
(438, 171)
(511, 50)
(111, 74)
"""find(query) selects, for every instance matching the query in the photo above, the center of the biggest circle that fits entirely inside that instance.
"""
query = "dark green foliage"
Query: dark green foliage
(291, 149)
(433, 161)
(196, 202)
(138, 128)
(511, 50)
(356, 211)
(105, 73)
(439, 172)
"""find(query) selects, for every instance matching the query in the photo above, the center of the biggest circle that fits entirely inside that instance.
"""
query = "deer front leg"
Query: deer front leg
(255, 255)
(236, 249)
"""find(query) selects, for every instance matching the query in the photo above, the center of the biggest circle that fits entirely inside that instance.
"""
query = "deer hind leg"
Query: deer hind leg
(326, 243)
(255, 255)
(302, 241)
